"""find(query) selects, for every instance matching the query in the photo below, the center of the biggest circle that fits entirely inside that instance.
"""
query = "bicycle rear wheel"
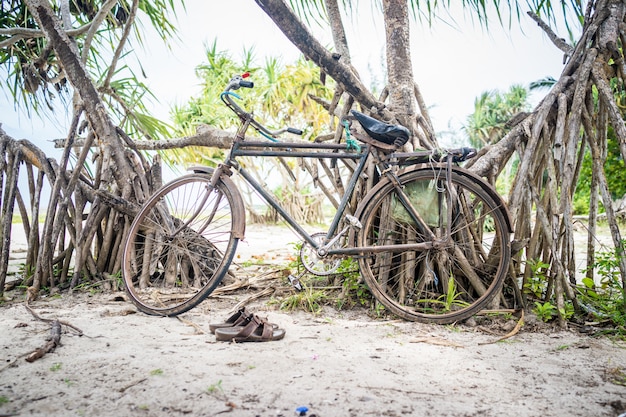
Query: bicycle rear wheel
(181, 244)
(440, 284)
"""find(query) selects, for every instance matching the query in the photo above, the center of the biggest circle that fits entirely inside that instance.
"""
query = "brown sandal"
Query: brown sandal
(255, 330)
(237, 319)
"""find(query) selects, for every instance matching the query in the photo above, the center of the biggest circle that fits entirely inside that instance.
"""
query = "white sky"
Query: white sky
(452, 65)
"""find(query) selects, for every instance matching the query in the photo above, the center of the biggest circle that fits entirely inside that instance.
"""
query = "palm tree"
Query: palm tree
(281, 96)
(492, 115)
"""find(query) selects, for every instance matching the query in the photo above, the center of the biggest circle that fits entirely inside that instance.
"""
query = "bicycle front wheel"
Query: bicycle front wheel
(181, 244)
(448, 281)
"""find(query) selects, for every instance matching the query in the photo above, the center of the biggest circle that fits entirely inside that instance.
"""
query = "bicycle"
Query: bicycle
(431, 238)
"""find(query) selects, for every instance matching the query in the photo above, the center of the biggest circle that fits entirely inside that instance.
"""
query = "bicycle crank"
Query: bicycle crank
(314, 262)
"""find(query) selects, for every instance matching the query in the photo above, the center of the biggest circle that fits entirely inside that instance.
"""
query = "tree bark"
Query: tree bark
(402, 97)
(301, 37)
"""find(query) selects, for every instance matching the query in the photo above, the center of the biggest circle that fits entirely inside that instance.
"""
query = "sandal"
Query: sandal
(237, 319)
(255, 330)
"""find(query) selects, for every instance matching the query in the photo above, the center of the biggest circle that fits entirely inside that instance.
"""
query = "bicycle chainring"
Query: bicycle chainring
(316, 264)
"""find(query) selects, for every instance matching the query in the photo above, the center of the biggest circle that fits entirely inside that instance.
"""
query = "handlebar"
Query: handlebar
(237, 82)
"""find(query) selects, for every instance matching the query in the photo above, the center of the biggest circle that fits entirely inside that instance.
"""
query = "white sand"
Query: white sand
(335, 363)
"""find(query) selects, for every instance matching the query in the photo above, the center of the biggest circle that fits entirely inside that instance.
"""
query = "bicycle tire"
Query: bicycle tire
(437, 285)
(181, 243)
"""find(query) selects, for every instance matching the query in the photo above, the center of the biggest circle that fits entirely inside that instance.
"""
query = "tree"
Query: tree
(88, 209)
(283, 95)
(550, 141)
(492, 115)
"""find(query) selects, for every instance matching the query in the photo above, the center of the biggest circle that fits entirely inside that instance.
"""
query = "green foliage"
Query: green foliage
(451, 297)
(537, 283)
(280, 97)
(537, 287)
(313, 11)
(614, 171)
(492, 111)
(355, 291)
(605, 300)
(215, 388)
(155, 372)
(546, 311)
(37, 80)
(316, 292)
(3, 400)
(309, 299)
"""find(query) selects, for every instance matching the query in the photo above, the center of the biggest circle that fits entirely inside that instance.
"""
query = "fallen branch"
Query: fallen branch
(50, 345)
(55, 335)
(64, 323)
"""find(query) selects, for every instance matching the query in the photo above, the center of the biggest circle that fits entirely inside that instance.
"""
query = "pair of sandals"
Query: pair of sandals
(244, 326)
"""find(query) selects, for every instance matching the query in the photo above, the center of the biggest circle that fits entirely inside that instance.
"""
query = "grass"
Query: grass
(309, 300)
(214, 388)
(617, 376)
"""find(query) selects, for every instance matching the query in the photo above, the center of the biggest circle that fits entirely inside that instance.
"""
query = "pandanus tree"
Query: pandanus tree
(73, 50)
(550, 140)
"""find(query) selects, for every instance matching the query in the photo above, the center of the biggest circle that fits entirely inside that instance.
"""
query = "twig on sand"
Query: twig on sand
(132, 384)
(53, 340)
(513, 332)
(64, 323)
(433, 340)
(199, 329)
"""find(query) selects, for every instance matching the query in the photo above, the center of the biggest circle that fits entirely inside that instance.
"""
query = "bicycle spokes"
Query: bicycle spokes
(461, 263)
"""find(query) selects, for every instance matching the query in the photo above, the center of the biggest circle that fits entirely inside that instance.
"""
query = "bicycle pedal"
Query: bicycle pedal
(354, 222)
(295, 282)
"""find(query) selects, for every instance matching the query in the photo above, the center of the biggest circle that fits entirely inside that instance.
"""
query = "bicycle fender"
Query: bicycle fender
(239, 211)
(490, 190)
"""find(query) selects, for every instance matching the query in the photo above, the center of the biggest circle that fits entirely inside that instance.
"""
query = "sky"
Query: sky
(453, 61)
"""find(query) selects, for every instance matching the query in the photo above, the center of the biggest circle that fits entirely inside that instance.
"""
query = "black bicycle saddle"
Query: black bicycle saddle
(390, 134)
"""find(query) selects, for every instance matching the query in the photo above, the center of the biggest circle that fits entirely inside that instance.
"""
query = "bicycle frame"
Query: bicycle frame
(383, 160)
(243, 148)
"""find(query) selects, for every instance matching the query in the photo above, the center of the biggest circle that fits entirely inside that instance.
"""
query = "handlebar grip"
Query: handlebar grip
(246, 84)
(294, 131)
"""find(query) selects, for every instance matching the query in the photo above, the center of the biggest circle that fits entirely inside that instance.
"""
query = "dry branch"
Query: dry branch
(53, 341)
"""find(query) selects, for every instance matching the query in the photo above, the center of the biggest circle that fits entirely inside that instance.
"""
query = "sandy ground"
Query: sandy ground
(335, 363)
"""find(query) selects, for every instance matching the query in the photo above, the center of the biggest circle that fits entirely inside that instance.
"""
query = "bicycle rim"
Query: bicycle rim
(180, 246)
(445, 284)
